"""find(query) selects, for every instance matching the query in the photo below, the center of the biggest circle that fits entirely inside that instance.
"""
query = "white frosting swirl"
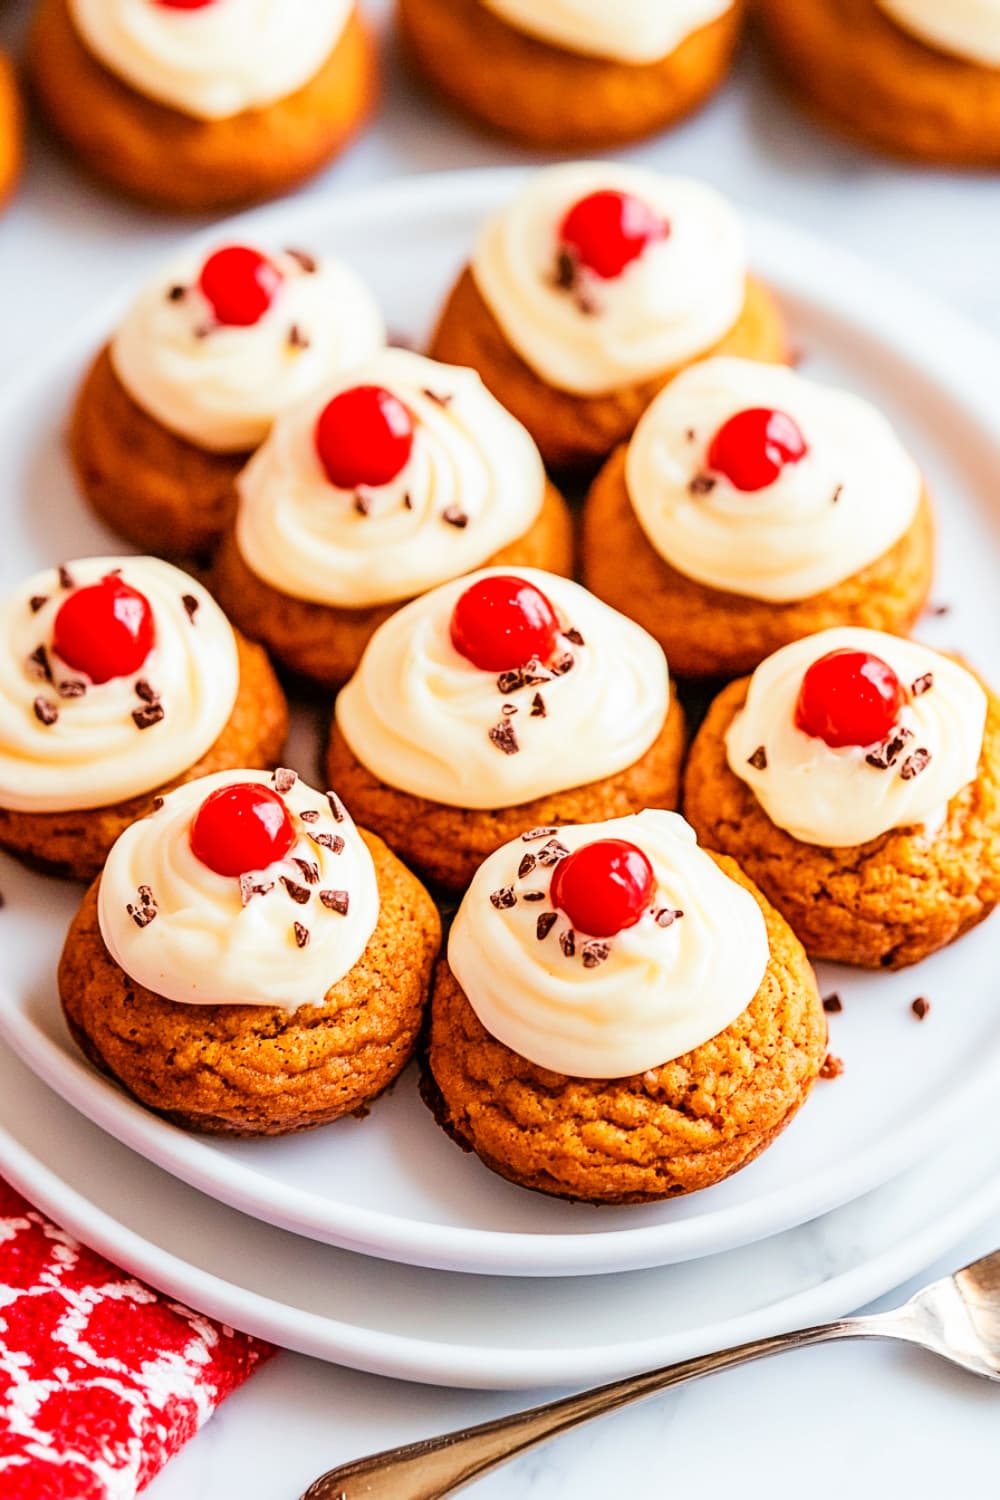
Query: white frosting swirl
(966, 28)
(418, 714)
(824, 518)
(660, 992)
(94, 754)
(677, 299)
(630, 31)
(218, 60)
(471, 460)
(834, 797)
(220, 386)
(204, 946)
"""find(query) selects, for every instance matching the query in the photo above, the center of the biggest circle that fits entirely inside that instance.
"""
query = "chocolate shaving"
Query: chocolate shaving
(331, 841)
(526, 866)
(73, 687)
(191, 605)
(915, 763)
(921, 1007)
(310, 871)
(567, 942)
(38, 665)
(508, 709)
(338, 901)
(564, 664)
(204, 329)
(148, 715)
(307, 262)
(296, 338)
(837, 493)
(284, 780)
(509, 682)
(65, 577)
(532, 895)
(564, 275)
(922, 685)
(336, 807)
(546, 921)
(298, 893)
(552, 853)
(667, 916)
(832, 1067)
(587, 304)
(504, 898)
(574, 636)
(310, 815)
(690, 434)
(439, 400)
(158, 802)
(702, 484)
(146, 691)
(536, 833)
(538, 710)
(455, 517)
(938, 610)
(833, 1004)
(301, 934)
(362, 503)
(176, 293)
(144, 911)
(45, 710)
(407, 501)
(758, 759)
(250, 888)
(504, 736)
(36, 601)
(529, 675)
(886, 754)
(595, 953)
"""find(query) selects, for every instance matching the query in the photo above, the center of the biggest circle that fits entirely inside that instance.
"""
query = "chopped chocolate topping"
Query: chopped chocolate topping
(574, 636)
(38, 665)
(362, 503)
(296, 338)
(284, 780)
(527, 676)
(439, 398)
(702, 484)
(832, 1067)
(306, 261)
(509, 682)
(336, 807)
(837, 493)
(552, 853)
(301, 934)
(921, 1007)
(148, 715)
(65, 577)
(532, 895)
(536, 833)
(595, 953)
(36, 601)
(915, 763)
(338, 901)
(144, 911)
(526, 866)
(508, 709)
(331, 841)
(455, 517)
(886, 754)
(690, 434)
(938, 610)
(564, 664)
(298, 893)
(45, 710)
(176, 293)
(833, 1004)
(504, 736)
(73, 687)
(922, 685)
(546, 921)
(758, 759)
(310, 815)
(310, 871)
(504, 898)
(564, 275)
(407, 501)
(538, 710)
(158, 802)
(146, 691)
(204, 329)
(587, 304)
(667, 916)
(250, 888)
(567, 942)
(191, 605)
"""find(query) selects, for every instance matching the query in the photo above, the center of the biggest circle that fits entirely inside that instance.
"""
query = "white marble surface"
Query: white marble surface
(877, 1420)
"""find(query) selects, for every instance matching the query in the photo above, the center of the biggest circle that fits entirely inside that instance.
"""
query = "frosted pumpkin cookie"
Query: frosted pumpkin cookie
(11, 129)
(591, 289)
(250, 962)
(752, 507)
(120, 678)
(202, 104)
(496, 703)
(916, 78)
(856, 777)
(397, 477)
(622, 1016)
(575, 74)
(212, 350)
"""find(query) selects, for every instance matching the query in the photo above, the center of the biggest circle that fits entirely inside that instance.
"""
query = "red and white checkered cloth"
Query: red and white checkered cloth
(101, 1379)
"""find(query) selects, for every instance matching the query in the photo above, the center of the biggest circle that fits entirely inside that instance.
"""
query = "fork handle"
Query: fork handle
(438, 1467)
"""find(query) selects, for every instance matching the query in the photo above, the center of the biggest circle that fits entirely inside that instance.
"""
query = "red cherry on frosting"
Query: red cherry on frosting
(608, 230)
(503, 622)
(752, 448)
(364, 437)
(184, 4)
(603, 887)
(105, 630)
(240, 284)
(241, 828)
(849, 698)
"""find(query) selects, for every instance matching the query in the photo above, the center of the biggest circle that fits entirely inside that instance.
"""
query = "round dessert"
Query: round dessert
(250, 962)
(576, 74)
(202, 104)
(622, 1017)
(856, 777)
(209, 354)
(752, 507)
(397, 477)
(499, 702)
(11, 129)
(590, 290)
(916, 78)
(120, 679)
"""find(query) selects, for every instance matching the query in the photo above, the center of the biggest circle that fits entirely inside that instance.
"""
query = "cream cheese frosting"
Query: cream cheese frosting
(216, 940)
(93, 753)
(965, 28)
(677, 299)
(215, 61)
(825, 517)
(419, 715)
(221, 387)
(630, 31)
(660, 991)
(474, 483)
(836, 797)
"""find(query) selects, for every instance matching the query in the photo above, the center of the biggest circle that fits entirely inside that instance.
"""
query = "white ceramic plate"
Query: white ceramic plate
(448, 1329)
(394, 1185)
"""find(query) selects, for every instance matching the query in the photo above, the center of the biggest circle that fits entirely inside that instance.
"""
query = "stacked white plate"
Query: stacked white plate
(377, 1243)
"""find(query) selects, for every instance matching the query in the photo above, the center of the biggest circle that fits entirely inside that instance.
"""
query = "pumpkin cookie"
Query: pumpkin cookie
(915, 78)
(753, 507)
(403, 475)
(500, 702)
(11, 129)
(198, 107)
(644, 1029)
(121, 679)
(590, 290)
(211, 351)
(572, 77)
(250, 962)
(856, 777)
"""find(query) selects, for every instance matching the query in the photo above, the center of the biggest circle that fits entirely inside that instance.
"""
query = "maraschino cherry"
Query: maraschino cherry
(241, 828)
(364, 437)
(240, 284)
(184, 4)
(105, 630)
(502, 623)
(753, 447)
(603, 887)
(607, 231)
(849, 698)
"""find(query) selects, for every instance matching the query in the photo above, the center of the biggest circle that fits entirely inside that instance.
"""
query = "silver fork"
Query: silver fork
(957, 1318)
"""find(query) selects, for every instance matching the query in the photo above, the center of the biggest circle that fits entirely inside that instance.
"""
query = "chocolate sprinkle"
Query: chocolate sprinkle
(532, 895)
(36, 601)
(564, 274)
(922, 685)
(310, 815)
(310, 871)
(331, 841)
(758, 759)
(65, 577)
(301, 934)
(690, 434)
(536, 833)
(73, 687)
(567, 942)
(546, 921)
(191, 605)
(574, 636)
(298, 893)
(552, 853)
(667, 916)
(837, 493)
(526, 866)
(146, 692)
(504, 736)
(296, 338)
(176, 293)
(832, 1067)
(538, 710)
(250, 888)
(362, 503)
(504, 898)
(595, 953)
(407, 501)
(305, 260)
(148, 715)
(338, 901)
(886, 754)
(45, 710)
(439, 400)
(938, 610)
(702, 484)
(38, 664)
(455, 517)
(143, 912)
(833, 1005)
(158, 802)
(915, 763)
(336, 807)
(284, 780)
(921, 1007)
